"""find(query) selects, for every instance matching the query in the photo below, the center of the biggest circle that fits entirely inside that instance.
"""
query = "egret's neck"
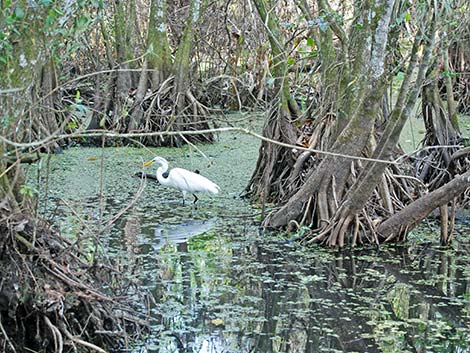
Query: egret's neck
(160, 170)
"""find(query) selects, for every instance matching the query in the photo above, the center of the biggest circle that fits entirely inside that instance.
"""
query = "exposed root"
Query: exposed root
(324, 210)
(60, 303)
(80, 341)
(165, 112)
(272, 170)
(58, 340)
(337, 226)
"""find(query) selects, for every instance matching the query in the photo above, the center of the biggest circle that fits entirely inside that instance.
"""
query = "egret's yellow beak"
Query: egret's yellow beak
(146, 164)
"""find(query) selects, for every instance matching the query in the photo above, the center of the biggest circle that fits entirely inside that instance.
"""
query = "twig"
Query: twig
(129, 205)
(195, 147)
(111, 134)
(6, 336)
(101, 205)
(58, 340)
(80, 341)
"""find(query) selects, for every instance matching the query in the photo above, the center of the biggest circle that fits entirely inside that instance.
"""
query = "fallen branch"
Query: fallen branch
(414, 213)
(111, 134)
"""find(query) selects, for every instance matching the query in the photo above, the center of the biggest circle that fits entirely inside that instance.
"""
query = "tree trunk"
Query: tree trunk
(187, 113)
(284, 109)
(181, 66)
(138, 110)
(121, 37)
(159, 59)
(48, 122)
(124, 77)
(372, 173)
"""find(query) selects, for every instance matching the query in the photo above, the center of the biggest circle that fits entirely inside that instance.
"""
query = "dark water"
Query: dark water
(229, 290)
(213, 283)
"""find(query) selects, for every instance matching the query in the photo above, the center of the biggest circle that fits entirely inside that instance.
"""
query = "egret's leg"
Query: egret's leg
(195, 198)
(184, 196)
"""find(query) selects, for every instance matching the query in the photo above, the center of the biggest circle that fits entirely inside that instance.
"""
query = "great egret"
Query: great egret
(182, 179)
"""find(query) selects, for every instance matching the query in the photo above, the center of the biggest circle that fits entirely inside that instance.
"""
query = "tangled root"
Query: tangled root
(51, 298)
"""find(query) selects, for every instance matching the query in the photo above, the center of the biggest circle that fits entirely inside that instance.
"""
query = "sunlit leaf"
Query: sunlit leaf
(217, 322)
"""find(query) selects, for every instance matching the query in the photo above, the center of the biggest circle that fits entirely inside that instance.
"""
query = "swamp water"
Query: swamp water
(214, 283)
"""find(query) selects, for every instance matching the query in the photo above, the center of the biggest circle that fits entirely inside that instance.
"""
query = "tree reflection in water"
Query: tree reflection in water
(243, 293)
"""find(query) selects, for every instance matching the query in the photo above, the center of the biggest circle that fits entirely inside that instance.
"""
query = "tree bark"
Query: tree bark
(121, 35)
(138, 110)
(159, 59)
(181, 66)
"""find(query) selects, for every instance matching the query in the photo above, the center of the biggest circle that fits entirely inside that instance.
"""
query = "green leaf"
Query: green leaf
(27, 190)
(72, 125)
(400, 76)
(290, 61)
(449, 73)
(83, 21)
(19, 12)
(50, 19)
(407, 17)
(102, 122)
(310, 42)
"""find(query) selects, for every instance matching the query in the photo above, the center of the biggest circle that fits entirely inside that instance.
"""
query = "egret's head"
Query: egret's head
(158, 160)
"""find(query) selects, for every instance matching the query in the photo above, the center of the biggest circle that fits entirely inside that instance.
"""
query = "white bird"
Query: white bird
(182, 179)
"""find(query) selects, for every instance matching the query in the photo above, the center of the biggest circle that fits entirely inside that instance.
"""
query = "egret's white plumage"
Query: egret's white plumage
(182, 179)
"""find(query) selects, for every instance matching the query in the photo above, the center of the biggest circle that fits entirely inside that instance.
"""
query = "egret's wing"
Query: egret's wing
(181, 178)
(193, 182)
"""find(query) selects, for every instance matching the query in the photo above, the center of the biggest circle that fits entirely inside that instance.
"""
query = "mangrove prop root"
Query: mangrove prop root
(162, 111)
(280, 173)
(65, 307)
